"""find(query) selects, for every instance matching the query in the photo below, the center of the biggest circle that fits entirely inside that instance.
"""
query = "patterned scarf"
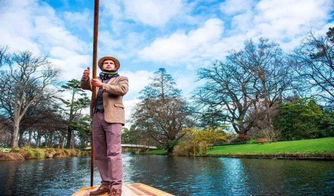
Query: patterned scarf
(107, 74)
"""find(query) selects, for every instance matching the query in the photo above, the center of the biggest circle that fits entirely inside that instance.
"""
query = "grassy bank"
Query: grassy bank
(322, 145)
(26, 153)
(308, 148)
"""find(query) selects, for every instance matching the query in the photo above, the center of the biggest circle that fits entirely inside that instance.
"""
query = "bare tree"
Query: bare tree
(273, 80)
(227, 90)
(249, 81)
(314, 61)
(23, 81)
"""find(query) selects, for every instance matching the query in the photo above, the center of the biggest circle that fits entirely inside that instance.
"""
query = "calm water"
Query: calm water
(177, 175)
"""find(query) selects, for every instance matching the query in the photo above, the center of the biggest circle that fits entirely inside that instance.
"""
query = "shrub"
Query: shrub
(196, 141)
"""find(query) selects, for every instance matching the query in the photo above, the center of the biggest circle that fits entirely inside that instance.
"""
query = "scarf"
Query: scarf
(107, 74)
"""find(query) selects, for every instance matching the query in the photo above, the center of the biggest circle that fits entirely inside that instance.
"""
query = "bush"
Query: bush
(196, 141)
(327, 124)
(185, 149)
(42, 153)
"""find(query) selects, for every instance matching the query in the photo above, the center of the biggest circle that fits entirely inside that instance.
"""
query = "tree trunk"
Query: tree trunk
(21, 142)
(70, 134)
(29, 139)
(38, 142)
(50, 139)
(15, 135)
(70, 138)
(61, 142)
(170, 150)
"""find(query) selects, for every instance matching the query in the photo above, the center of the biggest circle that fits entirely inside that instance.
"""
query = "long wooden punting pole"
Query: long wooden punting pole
(96, 32)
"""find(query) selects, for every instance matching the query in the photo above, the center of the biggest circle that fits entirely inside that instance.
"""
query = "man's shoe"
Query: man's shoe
(115, 192)
(103, 188)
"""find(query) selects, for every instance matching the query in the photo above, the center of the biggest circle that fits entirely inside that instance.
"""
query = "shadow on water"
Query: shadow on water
(177, 175)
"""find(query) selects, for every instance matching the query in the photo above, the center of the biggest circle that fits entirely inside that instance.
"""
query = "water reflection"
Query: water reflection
(177, 175)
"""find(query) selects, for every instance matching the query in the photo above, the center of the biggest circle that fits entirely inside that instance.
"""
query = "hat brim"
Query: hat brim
(116, 61)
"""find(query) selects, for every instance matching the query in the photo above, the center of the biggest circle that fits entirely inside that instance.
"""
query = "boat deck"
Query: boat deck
(131, 189)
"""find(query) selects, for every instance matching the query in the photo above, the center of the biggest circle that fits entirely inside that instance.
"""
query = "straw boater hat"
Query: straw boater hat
(116, 61)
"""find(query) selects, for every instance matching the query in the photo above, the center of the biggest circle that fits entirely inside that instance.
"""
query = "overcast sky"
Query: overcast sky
(144, 35)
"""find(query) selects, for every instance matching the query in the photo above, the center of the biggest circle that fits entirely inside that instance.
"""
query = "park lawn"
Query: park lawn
(321, 145)
(159, 151)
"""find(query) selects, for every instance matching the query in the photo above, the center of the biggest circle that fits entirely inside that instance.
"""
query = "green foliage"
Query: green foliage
(298, 119)
(73, 107)
(4, 149)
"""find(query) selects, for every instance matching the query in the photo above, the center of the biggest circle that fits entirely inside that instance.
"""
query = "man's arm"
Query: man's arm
(121, 88)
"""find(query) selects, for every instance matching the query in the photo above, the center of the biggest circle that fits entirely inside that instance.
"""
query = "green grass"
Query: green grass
(322, 145)
(159, 151)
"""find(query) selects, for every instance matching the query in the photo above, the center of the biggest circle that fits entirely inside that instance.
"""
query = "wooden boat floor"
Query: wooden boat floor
(131, 189)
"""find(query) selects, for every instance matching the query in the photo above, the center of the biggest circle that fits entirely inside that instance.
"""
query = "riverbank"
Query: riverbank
(312, 149)
(26, 153)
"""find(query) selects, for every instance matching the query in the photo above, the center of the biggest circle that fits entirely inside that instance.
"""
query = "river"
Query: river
(202, 176)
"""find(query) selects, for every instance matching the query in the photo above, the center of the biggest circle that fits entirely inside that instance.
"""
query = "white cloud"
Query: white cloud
(81, 20)
(129, 106)
(34, 26)
(71, 64)
(153, 12)
(137, 81)
(150, 12)
(182, 47)
(186, 82)
(232, 7)
(287, 19)
(282, 21)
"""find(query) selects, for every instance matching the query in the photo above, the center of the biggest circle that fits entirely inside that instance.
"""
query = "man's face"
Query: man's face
(108, 65)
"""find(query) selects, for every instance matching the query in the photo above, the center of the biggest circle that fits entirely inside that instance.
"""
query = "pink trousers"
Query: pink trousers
(108, 149)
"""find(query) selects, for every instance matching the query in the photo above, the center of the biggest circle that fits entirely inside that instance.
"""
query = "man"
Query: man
(107, 121)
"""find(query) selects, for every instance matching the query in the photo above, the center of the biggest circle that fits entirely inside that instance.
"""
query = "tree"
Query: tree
(23, 81)
(314, 61)
(227, 90)
(299, 119)
(249, 81)
(162, 113)
(73, 109)
(272, 81)
(43, 119)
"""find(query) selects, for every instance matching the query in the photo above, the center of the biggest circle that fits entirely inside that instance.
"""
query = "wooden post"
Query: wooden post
(95, 40)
